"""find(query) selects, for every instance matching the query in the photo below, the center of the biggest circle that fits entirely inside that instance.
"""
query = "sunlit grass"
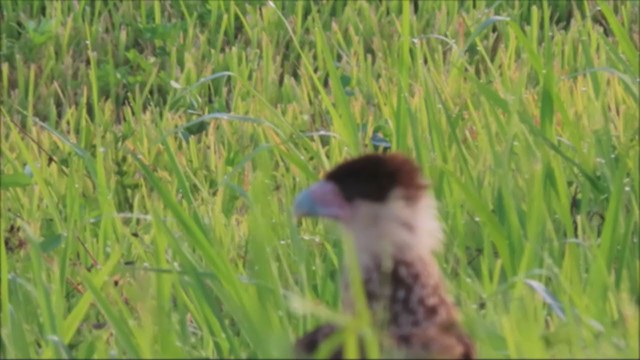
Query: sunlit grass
(151, 152)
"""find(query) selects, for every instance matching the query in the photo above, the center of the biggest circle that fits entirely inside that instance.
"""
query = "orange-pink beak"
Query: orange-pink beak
(322, 199)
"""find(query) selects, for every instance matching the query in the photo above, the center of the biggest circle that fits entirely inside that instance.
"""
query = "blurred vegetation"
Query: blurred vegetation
(151, 151)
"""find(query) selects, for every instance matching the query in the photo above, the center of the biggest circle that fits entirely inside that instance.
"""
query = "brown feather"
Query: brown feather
(372, 177)
(311, 341)
(423, 320)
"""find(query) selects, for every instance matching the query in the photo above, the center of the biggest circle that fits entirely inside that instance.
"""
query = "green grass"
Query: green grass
(151, 152)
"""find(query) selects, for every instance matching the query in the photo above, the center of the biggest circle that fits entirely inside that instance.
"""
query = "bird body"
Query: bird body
(381, 201)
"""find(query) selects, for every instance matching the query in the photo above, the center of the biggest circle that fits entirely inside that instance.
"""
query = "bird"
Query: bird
(384, 204)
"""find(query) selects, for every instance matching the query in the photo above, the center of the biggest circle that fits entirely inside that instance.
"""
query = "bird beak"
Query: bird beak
(321, 199)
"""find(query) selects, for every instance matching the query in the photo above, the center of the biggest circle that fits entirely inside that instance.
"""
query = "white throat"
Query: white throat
(382, 230)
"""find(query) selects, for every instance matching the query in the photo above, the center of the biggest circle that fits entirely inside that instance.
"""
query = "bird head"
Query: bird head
(380, 198)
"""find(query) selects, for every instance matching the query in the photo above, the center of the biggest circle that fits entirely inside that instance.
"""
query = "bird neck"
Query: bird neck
(392, 238)
(382, 230)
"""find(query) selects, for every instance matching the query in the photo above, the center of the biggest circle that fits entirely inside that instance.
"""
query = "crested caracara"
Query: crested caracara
(381, 201)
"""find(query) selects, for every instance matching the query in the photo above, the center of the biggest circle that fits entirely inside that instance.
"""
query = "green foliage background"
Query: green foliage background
(151, 152)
